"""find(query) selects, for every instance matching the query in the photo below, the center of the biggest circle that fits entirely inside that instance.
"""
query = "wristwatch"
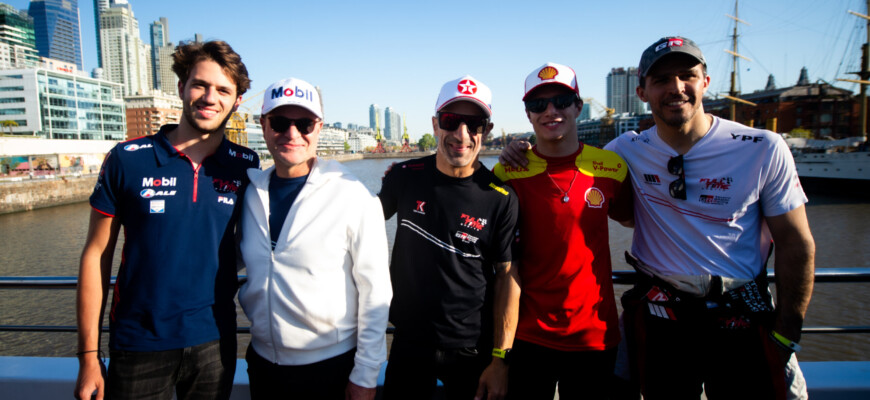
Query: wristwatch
(504, 354)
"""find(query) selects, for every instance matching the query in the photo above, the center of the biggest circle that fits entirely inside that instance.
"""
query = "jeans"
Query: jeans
(325, 379)
(203, 371)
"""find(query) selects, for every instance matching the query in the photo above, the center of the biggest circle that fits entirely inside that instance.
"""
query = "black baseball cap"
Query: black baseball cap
(665, 46)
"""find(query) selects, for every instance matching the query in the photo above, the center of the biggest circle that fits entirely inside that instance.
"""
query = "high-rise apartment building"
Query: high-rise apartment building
(374, 111)
(168, 79)
(388, 123)
(392, 124)
(99, 6)
(396, 126)
(17, 39)
(159, 65)
(621, 96)
(56, 26)
(126, 60)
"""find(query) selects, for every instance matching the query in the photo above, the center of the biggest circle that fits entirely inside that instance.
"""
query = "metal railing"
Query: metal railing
(823, 275)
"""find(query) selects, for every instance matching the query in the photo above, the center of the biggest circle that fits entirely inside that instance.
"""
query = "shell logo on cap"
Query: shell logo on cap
(594, 197)
(467, 86)
(548, 73)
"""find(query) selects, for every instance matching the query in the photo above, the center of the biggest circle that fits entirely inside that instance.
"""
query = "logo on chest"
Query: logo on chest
(419, 209)
(472, 222)
(226, 185)
(465, 237)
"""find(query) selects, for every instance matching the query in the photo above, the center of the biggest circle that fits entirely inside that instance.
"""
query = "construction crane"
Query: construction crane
(236, 130)
(607, 131)
(406, 148)
(380, 147)
(606, 112)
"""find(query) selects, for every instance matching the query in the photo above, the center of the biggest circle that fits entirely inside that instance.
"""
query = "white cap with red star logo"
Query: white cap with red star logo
(551, 73)
(468, 89)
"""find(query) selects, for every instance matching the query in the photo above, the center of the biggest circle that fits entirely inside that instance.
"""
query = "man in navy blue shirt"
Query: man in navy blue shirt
(177, 195)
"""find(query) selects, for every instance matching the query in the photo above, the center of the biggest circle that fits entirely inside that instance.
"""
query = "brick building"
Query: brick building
(146, 114)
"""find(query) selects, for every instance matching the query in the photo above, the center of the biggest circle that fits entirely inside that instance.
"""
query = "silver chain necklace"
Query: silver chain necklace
(565, 199)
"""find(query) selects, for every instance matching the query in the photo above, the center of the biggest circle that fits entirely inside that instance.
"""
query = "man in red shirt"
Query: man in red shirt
(568, 323)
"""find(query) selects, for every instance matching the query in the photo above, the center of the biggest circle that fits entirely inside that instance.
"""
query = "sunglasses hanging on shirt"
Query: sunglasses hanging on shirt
(677, 188)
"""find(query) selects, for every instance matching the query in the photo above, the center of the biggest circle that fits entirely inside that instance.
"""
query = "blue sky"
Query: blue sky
(399, 53)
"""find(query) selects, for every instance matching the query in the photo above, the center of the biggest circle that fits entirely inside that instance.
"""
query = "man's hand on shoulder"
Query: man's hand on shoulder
(493, 382)
(390, 168)
(357, 392)
(514, 154)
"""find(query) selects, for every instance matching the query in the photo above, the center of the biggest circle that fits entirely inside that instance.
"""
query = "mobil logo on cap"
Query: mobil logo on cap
(279, 92)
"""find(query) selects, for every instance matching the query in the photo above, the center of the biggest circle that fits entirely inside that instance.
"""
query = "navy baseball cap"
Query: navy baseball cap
(665, 46)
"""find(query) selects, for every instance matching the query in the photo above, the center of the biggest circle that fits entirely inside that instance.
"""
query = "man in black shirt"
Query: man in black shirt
(451, 265)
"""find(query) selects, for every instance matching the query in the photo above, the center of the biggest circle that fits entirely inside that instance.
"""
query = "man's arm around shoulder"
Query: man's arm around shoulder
(794, 268)
(93, 284)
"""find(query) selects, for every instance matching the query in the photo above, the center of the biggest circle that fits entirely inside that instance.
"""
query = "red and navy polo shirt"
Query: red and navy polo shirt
(177, 278)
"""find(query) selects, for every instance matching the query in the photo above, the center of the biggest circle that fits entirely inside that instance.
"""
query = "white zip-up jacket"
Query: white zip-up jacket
(326, 286)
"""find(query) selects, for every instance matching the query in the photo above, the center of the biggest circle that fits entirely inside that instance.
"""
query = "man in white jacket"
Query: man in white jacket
(315, 248)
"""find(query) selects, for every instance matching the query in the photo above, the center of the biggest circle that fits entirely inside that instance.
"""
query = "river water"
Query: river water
(48, 242)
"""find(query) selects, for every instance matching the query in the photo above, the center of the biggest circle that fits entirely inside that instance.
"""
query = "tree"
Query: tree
(346, 147)
(8, 123)
(427, 142)
(533, 140)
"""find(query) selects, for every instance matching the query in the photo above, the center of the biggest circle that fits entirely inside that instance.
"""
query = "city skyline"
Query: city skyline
(332, 45)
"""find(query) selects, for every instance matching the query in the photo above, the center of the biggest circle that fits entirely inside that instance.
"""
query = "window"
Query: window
(12, 111)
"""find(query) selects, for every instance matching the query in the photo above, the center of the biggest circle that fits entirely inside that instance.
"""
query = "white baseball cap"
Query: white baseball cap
(551, 73)
(465, 88)
(292, 92)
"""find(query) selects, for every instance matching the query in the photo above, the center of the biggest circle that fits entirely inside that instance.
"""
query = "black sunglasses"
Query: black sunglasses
(450, 122)
(282, 124)
(561, 102)
(677, 187)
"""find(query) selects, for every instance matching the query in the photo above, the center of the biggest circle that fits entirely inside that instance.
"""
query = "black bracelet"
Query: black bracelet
(81, 353)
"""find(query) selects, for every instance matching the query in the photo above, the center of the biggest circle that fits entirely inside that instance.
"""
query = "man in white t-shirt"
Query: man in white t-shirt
(709, 196)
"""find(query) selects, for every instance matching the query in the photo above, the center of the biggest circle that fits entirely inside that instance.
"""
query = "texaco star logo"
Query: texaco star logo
(467, 86)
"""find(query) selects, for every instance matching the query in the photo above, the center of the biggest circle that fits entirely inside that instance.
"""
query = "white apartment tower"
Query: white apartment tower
(125, 59)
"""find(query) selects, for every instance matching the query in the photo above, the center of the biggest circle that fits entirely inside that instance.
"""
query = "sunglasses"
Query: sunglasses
(677, 188)
(282, 124)
(561, 102)
(450, 122)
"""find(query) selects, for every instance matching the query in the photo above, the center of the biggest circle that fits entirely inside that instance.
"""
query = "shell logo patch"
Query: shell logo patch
(594, 197)
(548, 73)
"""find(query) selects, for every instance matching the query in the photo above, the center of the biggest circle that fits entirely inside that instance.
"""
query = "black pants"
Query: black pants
(676, 346)
(413, 369)
(326, 379)
(535, 370)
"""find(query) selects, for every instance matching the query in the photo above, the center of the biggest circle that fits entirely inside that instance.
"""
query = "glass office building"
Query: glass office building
(56, 25)
(59, 105)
